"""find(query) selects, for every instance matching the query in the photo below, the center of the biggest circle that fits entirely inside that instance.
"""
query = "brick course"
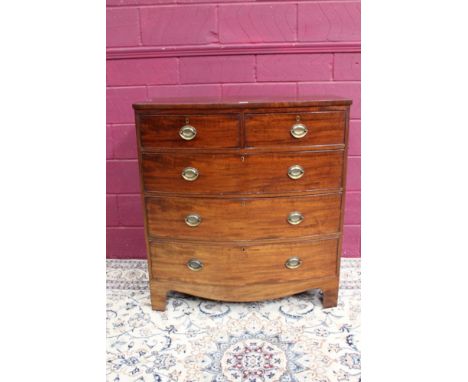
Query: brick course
(295, 67)
(178, 25)
(254, 23)
(148, 71)
(122, 27)
(329, 21)
(217, 69)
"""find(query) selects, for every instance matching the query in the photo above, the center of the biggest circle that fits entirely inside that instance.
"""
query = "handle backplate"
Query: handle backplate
(190, 174)
(194, 265)
(295, 172)
(299, 130)
(188, 132)
(193, 220)
(293, 263)
(295, 218)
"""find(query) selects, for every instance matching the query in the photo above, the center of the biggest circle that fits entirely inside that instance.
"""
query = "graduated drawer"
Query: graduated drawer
(190, 131)
(243, 219)
(295, 129)
(232, 173)
(236, 265)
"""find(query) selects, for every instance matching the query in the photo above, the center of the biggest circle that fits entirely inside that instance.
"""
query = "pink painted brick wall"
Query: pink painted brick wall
(257, 54)
(178, 25)
(221, 69)
(255, 23)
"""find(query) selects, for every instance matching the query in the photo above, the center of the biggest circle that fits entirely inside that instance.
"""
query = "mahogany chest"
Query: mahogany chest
(243, 199)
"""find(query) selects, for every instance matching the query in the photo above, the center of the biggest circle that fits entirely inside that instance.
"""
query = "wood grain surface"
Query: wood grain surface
(244, 293)
(324, 128)
(212, 131)
(243, 265)
(246, 104)
(243, 219)
(242, 174)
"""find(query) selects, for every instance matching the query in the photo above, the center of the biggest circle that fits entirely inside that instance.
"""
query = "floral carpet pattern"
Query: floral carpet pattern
(285, 340)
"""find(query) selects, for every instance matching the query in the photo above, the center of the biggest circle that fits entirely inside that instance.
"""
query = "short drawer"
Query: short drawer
(295, 129)
(236, 265)
(190, 131)
(246, 174)
(219, 219)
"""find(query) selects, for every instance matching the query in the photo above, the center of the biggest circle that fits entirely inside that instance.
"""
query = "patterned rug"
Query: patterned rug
(286, 340)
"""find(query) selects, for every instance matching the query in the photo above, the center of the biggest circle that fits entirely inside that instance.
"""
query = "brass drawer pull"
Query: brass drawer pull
(187, 132)
(190, 174)
(193, 220)
(299, 130)
(195, 265)
(295, 172)
(293, 263)
(295, 218)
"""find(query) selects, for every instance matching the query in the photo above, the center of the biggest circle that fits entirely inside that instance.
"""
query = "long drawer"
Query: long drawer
(236, 265)
(231, 173)
(243, 218)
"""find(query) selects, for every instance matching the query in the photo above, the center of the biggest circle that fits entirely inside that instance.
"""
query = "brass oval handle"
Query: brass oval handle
(295, 172)
(193, 220)
(299, 130)
(190, 174)
(194, 265)
(295, 218)
(293, 263)
(188, 132)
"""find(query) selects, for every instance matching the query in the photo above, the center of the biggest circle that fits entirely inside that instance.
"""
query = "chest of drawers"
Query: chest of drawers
(243, 199)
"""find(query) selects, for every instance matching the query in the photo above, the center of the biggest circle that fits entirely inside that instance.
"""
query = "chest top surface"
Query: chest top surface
(238, 102)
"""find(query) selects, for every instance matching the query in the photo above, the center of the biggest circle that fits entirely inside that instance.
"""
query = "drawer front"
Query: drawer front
(198, 131)
(235, 265)
(254, 173)
(295, 129)
(243, 219)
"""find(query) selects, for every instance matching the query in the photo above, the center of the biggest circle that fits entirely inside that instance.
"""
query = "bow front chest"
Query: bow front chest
(244, 199)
